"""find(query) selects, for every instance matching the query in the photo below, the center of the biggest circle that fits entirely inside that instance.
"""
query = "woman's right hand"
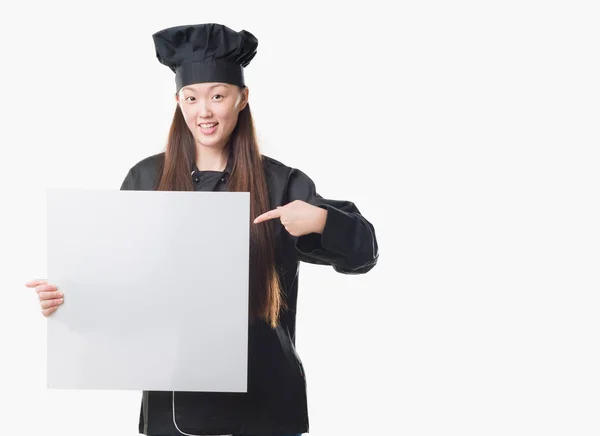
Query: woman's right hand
(50, 297)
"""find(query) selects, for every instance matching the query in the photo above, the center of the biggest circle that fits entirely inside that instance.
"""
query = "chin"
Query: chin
(209, 142)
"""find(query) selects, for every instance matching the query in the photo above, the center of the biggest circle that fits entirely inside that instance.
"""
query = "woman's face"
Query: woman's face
(211, 111)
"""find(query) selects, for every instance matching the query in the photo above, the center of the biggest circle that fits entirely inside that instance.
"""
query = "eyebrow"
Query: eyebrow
(185, 88)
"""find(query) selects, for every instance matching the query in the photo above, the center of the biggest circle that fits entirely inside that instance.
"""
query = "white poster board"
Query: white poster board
(155, 290)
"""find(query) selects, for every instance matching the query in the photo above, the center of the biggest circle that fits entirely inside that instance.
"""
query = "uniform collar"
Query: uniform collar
(227, 171)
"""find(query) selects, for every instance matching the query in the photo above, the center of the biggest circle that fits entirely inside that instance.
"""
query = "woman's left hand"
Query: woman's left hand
(298, 217)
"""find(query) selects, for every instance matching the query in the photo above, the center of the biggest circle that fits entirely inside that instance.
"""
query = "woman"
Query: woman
(212, 147)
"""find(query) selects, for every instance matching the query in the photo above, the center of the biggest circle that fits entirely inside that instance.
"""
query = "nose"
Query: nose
(204, 110)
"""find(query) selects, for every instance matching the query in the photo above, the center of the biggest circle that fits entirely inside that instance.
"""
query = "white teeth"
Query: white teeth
(208, 126)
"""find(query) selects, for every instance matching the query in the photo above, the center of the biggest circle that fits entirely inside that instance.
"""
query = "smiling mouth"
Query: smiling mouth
(208, 128)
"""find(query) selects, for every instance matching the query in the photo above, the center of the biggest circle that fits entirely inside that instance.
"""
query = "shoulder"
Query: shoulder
(282, 171)
(273, 165)
(148, 164)
(292, 182)
(143, 174)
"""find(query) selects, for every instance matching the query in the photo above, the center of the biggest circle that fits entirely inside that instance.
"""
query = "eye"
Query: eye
(218, 97)
(190, 98)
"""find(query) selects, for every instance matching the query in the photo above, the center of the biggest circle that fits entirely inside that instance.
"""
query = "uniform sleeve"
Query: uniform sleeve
(348, 242)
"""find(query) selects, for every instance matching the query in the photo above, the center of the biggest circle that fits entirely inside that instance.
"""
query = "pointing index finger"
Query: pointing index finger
(275, 213)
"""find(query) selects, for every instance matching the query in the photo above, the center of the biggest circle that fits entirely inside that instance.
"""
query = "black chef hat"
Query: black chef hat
(205, 53)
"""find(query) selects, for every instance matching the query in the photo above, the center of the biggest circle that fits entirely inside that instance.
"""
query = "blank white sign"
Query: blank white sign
(155, 290)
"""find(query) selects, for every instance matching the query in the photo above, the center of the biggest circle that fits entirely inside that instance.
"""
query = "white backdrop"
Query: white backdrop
(467, 132)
